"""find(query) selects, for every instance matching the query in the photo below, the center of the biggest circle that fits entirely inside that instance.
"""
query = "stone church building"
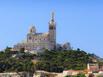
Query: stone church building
(39, 41)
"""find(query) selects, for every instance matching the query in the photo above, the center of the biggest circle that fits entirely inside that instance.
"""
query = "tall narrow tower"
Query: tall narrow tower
(52, 32)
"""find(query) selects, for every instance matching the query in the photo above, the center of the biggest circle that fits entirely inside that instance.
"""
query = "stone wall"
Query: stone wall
(14, 74)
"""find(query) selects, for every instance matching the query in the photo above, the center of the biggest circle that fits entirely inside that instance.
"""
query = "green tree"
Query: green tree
(80, 75)
(57, 61)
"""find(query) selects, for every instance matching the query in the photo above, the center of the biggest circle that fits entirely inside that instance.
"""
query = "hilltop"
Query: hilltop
(51, 61)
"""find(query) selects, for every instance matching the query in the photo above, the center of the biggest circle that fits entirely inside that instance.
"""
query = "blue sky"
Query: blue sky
(79, 22)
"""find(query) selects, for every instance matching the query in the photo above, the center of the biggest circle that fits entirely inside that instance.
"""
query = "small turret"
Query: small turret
(30, 35)
(32, 30)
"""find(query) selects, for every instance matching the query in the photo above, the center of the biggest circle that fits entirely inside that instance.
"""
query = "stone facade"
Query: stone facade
(39, 41)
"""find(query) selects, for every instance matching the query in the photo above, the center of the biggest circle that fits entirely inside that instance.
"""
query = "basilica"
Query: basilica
(38, 41)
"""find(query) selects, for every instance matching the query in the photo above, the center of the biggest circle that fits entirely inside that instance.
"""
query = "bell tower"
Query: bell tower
(52, 32)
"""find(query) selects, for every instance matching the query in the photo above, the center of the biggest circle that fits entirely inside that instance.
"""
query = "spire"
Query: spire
(52, 16)
(52, 23)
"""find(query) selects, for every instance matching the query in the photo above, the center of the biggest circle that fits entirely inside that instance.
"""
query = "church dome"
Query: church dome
(32, 30)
